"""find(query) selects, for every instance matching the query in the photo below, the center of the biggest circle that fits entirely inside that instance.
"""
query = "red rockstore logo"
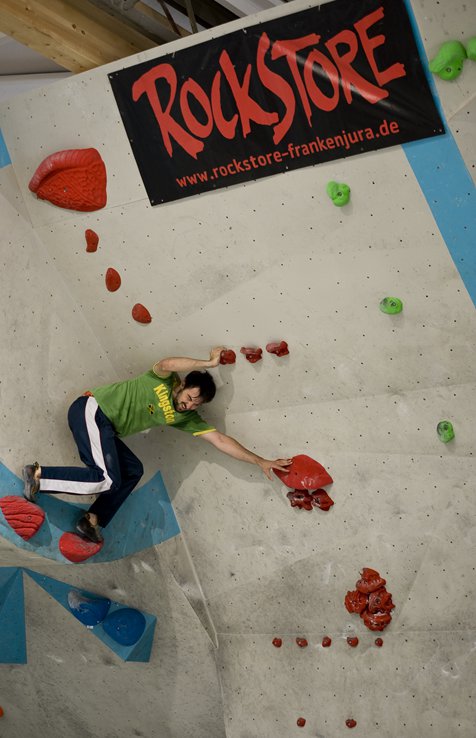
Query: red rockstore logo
(335, 65)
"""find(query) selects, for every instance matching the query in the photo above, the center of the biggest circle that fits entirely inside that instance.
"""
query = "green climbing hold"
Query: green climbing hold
(471, 48)
(445, 431)
(339, 193)
(391, 305)
(448, 63)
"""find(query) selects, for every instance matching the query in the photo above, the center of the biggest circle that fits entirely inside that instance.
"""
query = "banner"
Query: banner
(332, 81)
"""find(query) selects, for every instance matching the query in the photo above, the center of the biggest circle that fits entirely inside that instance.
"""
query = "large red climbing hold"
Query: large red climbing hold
(304, 473)
(355, 602)
(141, 314)
(22, 516)
(227, 356)
(252, 354)
(77, 549)
(321, 499)
(113, 280)
(74, 179)
(92, 240)
(280, 349)
(370, 581)
(380, 600)
(376, 620)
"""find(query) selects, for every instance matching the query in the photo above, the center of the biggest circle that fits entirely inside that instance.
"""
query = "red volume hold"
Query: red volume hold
(304, 473)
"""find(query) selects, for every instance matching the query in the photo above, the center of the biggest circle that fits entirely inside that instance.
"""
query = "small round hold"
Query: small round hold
(1, 712)
(301, 722)
(379, 642)
(277, 642)
(353, 641)
(445, 431)
(339, 193)
(326, 642)
(391, 305)
(302, 642)
(351, 723)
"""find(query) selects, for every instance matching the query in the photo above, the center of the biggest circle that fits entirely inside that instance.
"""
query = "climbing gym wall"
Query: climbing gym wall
(241, 587)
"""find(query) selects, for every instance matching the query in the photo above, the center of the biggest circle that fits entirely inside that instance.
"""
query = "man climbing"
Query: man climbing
(99, 419)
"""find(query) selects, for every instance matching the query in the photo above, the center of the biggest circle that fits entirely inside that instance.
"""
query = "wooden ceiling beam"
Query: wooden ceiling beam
(74, 33)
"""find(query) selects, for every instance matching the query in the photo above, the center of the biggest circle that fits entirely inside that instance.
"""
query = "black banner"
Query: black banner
(332, 81)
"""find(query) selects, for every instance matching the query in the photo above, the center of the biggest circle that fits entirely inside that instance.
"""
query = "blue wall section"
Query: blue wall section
(446, 185)
(146, 519)
(4, 155)
(12, 617)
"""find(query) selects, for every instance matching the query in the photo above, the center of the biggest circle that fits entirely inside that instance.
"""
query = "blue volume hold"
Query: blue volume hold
(89, 610)
(125, 626)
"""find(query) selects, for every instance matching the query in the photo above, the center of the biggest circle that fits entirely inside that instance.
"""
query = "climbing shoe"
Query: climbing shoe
(85, 527)
(32, 482)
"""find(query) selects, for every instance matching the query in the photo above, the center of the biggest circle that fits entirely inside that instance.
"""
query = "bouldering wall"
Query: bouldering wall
(360, 391)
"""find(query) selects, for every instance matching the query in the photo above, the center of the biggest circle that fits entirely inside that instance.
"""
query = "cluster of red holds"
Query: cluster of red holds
(371, 600)
(255, 354)
(303, 477)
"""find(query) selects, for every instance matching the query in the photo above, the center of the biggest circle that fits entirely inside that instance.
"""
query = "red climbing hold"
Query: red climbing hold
(350, 723)
(277, 642)
(353, 641)
(326, 642)
(22, 516)
(379, 642)
(113, 280)
(304, 473)
(92, 240)
(280, 349)
(380, 600)
(301, 722)
(321, 499)
(141, 314)
(74, 179)
(252, 354)
(370, 581)
(302, 642)
(376, 620)
(355, 602)
(77, 549)
(300, 498)
(227, 357)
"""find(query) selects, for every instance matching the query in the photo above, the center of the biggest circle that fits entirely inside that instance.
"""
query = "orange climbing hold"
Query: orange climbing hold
(74, 179)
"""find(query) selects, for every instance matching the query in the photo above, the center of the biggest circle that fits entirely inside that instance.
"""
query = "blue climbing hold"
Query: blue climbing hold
(88, 609)
(125, 626)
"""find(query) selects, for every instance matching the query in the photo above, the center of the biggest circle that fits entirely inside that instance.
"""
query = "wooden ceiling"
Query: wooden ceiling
(83, 34)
